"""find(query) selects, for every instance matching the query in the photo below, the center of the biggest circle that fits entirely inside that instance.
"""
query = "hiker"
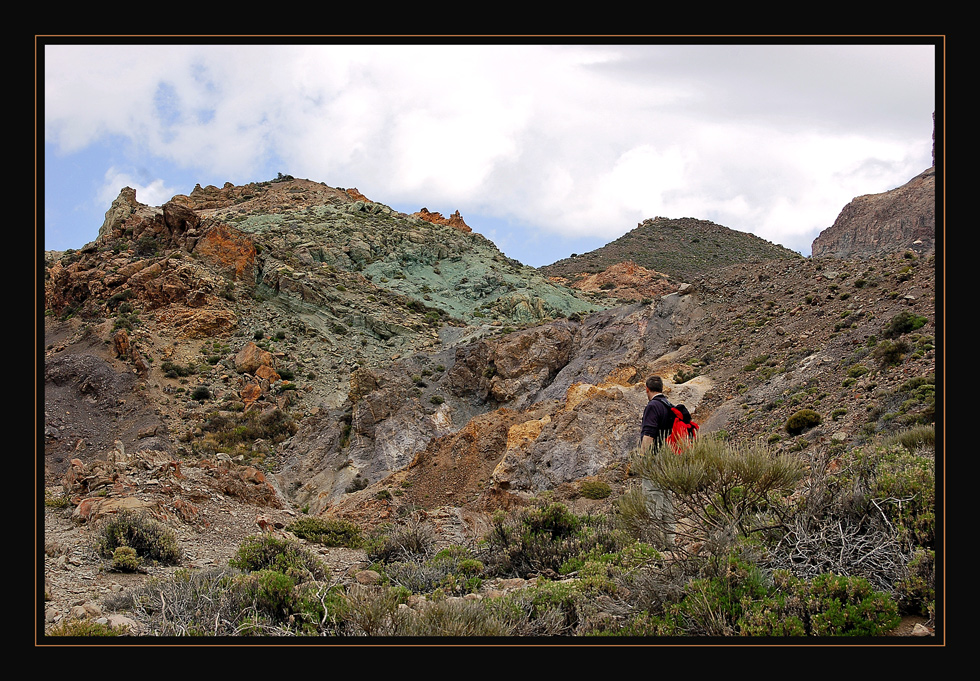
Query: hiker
(657, 416)
(657, 423)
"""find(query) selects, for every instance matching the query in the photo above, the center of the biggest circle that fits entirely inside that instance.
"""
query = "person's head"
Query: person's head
(655, 384)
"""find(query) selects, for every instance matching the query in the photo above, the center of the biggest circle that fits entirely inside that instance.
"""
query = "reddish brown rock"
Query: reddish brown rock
(95, 508)
(625, 280)
(356, 195)
(250, 393)
(895, 221)
(179, 220)
(120, 343)
(230, 249)
(251, 357)
(455, 220)
(206, 323)
(267, 373)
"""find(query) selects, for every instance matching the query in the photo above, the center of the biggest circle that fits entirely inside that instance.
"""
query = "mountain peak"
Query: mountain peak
(681, 248)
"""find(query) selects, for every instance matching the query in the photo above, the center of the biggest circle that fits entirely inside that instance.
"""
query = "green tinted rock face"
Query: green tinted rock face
(462, 274)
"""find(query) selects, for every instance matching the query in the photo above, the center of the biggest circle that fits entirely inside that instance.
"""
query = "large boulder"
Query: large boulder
(251, 357)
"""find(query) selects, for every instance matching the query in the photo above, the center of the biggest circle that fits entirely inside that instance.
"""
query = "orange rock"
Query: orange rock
(250, 393)
(120, 342)
(230, 249)
(251, 357)
(267, 373)
(455, 220)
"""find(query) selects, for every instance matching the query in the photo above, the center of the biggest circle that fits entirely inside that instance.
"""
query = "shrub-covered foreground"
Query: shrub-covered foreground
(740, 542)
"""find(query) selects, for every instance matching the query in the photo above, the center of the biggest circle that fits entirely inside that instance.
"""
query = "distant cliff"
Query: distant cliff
(898, 220)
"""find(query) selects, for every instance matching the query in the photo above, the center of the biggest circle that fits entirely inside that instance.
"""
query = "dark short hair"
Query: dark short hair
(655, 384)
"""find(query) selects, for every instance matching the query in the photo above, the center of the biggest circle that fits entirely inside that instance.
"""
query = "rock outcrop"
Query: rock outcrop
(895, 221)
(625, 281)
(455, 220)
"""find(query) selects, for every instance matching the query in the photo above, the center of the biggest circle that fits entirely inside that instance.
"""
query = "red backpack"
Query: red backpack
(684, 430)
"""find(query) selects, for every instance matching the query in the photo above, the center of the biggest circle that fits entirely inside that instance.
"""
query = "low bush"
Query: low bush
(328, 532)
(902, 323)
(890, 353)
(174, 370)
(456, 618)
(201, 394)
(125, 559)
(916, 590)
(227, 602)
(594, 489)
(828, 605)
(266, 552)
(802, 420)
(544, 539)
(722, 491)
(236, 434)
(410, 540)
(149, 538)
(453, 571)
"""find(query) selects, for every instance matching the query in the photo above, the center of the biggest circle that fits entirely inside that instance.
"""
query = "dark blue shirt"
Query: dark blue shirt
(658, 419)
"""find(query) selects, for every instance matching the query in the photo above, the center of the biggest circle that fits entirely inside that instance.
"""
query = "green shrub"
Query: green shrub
(146, 246)
(453, 571)
(594, 489)
(890, 353)
(913, 438)
(829, 605)
(684, 375)
(329, 532)
(269, 591)
(554, 519)
(722, 489)
(556, 600)
(411, 540)
(802, 420)
(916, 589)
(149, 538)
(236, 434)
(456, 618)
(62, 500)
(118, 298)
(713, 605)
(125, 559)
(848, 606)
(266, 552)
(902, 323)
(174, 370)
(544, 539)
(374, 612)
(904, 484)
(201, 394)
(226, 602)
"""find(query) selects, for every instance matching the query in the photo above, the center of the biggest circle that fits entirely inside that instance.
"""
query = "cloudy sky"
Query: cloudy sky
(546, 149)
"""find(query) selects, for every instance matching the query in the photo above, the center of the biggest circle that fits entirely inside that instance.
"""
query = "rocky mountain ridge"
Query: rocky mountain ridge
(681, 248)
(895, 221)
